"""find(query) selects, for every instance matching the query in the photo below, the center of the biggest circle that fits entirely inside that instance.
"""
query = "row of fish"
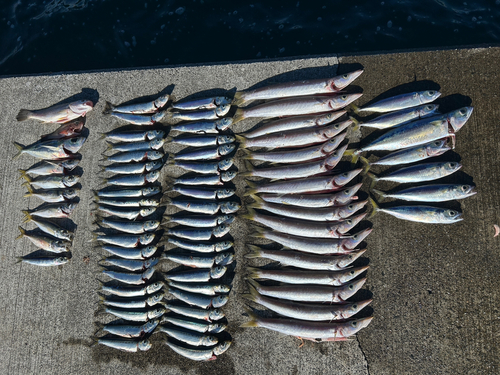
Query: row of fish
(306, 207)
(53, 180)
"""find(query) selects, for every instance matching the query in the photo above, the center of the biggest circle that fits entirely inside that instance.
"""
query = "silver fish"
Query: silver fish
(199, 234)
(209, 289)
(204, 127)
(413, 154)
(52, 195)
(419, 172)
(136, 119)
(189, 337)
(43, 262)
(204, 154)
(131, 264)
(214, 179)
(200, 221)
(201, 247)
(431, 193)
(127, 157)
(129, 214)
(45, 243)
(204, 206)
(296, 106)
(52, 149)
(130, 331)
(402, 101)
(133, 227)
(133, 291)
(294, 122)
(128, 303)
(137, 253)
(196, 326)
(47, 167)
(139, 108)
(204, 167)
(53, 229)
(198, 261)
(207, 103)
(127, 193)
(132, 136)
(199, 300)
(59, 113)
(297, 88)
(126, 240)
(204, 192)
(69, 129)
(53, 181)
(193, 312)
(50, 211)
(400, 117)
(131, 278)
(120, 202)
(154, 144)
(130, 346)
(197, 275)
(133, 180)
(202, 141)
(212, 114)
(200, 354)
(136, 315)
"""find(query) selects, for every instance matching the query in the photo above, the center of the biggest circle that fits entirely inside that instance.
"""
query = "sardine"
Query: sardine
(43, 262)
(126, 240)
(199, 234)
(52, 195)
(59, 113)
(200, 354)
(204, 192)
(193, 312)
(135, 168)
(133, 180)
(402, 101)
(136, 315)
(201, 247)
(296, 106)
(139, 108)
(52, 149)
(130, 331)
(206, 103)
(128, 303)
(199, 300)
(47, 167)
(53, 229)
(127, 193)
(154, 144)
(130, 264)
(196, 326)
(196, 275)
(200, 221)
(131, 278)
(127, 157)
(45, 243)
(135, 119)
(297, 88)
(197, 261)
(132, 136)
(122, 202)
(189, 337)
(50, 211)
(129, 214)
(204, 127)
(413, 154)
(138, 253)
(53, 181)
(431, 193)
(294, 122)
(67, 130)
(133, 291)
(204, 206)
(202, 141)
(400, 117)
(133, 227)
(130, 346)
(204, 167)
(295, 138)
(209, 289)
(204, 154)
(209, 114)
(213, 179)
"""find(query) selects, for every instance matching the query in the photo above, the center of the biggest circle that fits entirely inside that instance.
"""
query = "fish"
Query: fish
(203, 206)
(313, 331)
(305, 261)
(129, 214)
(335, 278)
(431, 193)
(196, 275)
(146, 191)
(52, 181)
(137, 253)
(130, 264)
(210, 179)
(300, 105)
(133, 291)
(173, 117)
(294, 122)
(154, 144)
(316, 246)
(200, 221)
(137, 156)
(189, 337)
(128, 303)
(204, 192)
(59, 113)
(198, 234)
(202, 140)
(204, 127)
(133, 180)
(421, 214)
(419, 172)
(53, 229)
(412, 154)
(50, 211)
(304, 185)
(125, 240)
(402, 101)
(51, 195)
(133, 227)
(130, 346)
(297, 155)
(136, 315)
(339, 198)
(204, 167)
(308, 311)
(139, 108)
(295, 138)
(206, 103)
(45, 243)
(400, 117)
(138, 119)
(201, 247)
(306, 213)
(197, 261)
(199, 300)
(52, 149)
(209, 289)
(118, 135)
(129, 331)
(200, 354)
(297, 88)
(67, 130)
(310, 293)
(193, 312)
(131, 278)
(290, 171)
(121, 202)
(204, 154)
(43, 261)
(48, 167)
(196, 326)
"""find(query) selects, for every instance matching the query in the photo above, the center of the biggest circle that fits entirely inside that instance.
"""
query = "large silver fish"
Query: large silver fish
(200, 354)
(52, 149)
(132, 136)
(431, 193)
(411, 155)
(206, 103)
(402, 101)
(59, 113)
(421, 214)
(400, 117)
(139, 108)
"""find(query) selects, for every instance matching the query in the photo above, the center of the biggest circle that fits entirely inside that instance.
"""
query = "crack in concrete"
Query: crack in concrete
(364, 356)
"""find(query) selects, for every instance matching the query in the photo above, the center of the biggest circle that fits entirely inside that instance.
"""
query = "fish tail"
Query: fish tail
(94, 237)
(108, 108)
(23, 115)
(109, 146)
(167, 220)
(374, 206)
(355, 122)
(170, 159)
(27, 178)
(20, 148)
(102, 135)
(30, 190)
(247, 154)
(354, 108)
(19, 259)
(23, 233)
(238, 115)
(169, 139)
(257, 232)
(253, 295)
(252, 188)
(27, 217)
(253, 272)
(104, 182)
(354, 155)
(249, 215)
(373, 179)
(96, 195)
(104, 158)
(101, 298)
(379, 193)
(94, 341)
(241, 140)
(165, 201)
(248, 166)
(254, 252)
(238, 99)
(253, 318)
(366, 165)
(23, 173)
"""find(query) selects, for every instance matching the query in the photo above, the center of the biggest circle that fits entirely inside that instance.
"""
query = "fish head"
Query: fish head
(226, 149)
(81, 107)
(155, 299)
(216, 327)
(224, 245)
(339, 82)
(144, 345)
(61, 260)
(332, 160)
(153, 134)
(64, 233)
(148, 251)
(156, 143)
(222, 110)
(149, 202)
(351, 208)
(220, 230)
(225, 219)
(427, 110)
(223, 259)
(334, 129)
(220, 301)
(222, 100)
(156, 313)
(355, 308)
(346, 225)
(350, 328)
(327, 118)
(343, 100)
(458, 118)
(465, 190)
(71, 180)
(151, 225)
(68, 208)
(348, 290)
(451, 167)
(153, 165)
(150, 190)
(215, 314)
(436, 148)
(352, 273)
(349, 258)
(224, 123)
(147, 211)
(154, 155)
(74, 144)
(428, 96)
(217, 272)
(147, 238)
(70, 193)
(229, 207)
(228, 176)
(356, 239)
(225, 139)
(332, 143)
(151, 262)
(60, 245)
(221, 348)
(70, 164)
(225, 164)
(208, 340)
(225, 193)
(346, 195)
(154, 287)
(161, 101)
(152, 176)
(150, 326)
(344, 178)
(222, 288)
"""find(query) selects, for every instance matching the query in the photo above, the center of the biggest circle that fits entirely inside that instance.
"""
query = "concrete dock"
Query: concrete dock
(435, 287)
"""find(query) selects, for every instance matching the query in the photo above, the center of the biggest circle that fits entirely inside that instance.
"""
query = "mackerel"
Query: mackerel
(130, 331)
(400, 117)
(130, 346)
(136, 315)
(202, 141)
(204, 192)
(431, 193)
(202, 167)
(127, 157)
(128, 193)
(210, 114)
(133, 168)
(200, 354)
(50, 211)
(201, 247)
(193, 312)
(189, 337)
(199, 300)
(139, 108)
(402, 101)
(120, 202)
(133, 291)
(413, 154)
(45, 243)
(137, 253)
(131, 278)
(419, 172)
(52, 195)
(128, 303)
(200, 221)
(206, 103)
(196, 326)
(126, 240)
(212, 179)
(133, 180)
(154, 144)
(130, 264)
(197, 275)
(43, 261)
(209, 289)
(204, 153)
(133, 227)
(204, 127)
(204, 206)
(47, 167)
(53, 229)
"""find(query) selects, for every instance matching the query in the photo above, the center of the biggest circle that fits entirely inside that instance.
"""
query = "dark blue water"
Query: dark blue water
(61, 35)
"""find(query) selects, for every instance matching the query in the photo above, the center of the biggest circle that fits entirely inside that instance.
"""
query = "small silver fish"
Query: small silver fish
(139, 108)
(132, 136)
(130, 264)
(212, 179)
(212, 114)
(198, 261)
(133, 227)
(207, 103)
(129, 331)
(154, 144)
(50, 211)
(204, 193)
(197, 234)
(400, 117)
(59, 113)
(204, 127)
(43, 262)
(201, 247)
(129, 214)
(131, 278)
(431, 193)
(200, 354)
(52, 195)
(199, 300)
(195, 326)
(204, 154)
(130, 202)
(202, 141)
(402, 101)
(146, 191)
(47, 167)
(209, 289)
(193, 312)
(204, 167)
(52, 149)
(126, 240)
(45, 243)
(133, 180)
(127, 157)
(204, 206)
(53, 181)
(197, 275)
(67, 130)
(130, 346)
(200, 221)
(53, 229)
(413, 154)
(133, 291)
(127, 253)
(189, 337)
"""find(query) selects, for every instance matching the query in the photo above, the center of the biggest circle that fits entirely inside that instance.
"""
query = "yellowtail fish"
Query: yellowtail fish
(59, 113)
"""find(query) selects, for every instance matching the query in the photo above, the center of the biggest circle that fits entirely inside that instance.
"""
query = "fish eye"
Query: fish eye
(352, 272)
(329, 116)
(351, 287)
(355, 237)
(351, 206)
(437, 143)
(346, 192)
(355, 306)
(345, 76)
(452, 213)
(428, 107)
(452, 165)
(463, 112)
(349, 221)
(354, 324)
(344, 97)
(345, 174)
(336, 126)
(432, 92)
(464, 187)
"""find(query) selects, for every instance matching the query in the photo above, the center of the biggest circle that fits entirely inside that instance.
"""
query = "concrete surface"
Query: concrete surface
(435, 288)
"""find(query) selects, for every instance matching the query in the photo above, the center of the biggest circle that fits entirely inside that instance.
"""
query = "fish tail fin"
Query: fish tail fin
(354, 155)
(241, 140)
(373, 179)
(238, 99)
(94, 237)
(355, 122)
(366, 165)
(253, 295)
(249, 166)
(238, 115)
(165, 201)
(374, 206)
(96, 195)
(104, 158)
(94, 341)
(379, 193)
(27, 217)
(354, 108)
(23, 233)
(252, 188)
(254, 252)
(108, 108)
(247, 154)
(30, 190)
(169, 139)
(23, 115)
(170, 159)
(20, 149)
(104, 182)
(102, 135)
(23, 173)
(101, 298)
(250, 215)
(19, 259)
(257, 232)
(253, 319)
(27, 178)
(109, 146)
(253, 272)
